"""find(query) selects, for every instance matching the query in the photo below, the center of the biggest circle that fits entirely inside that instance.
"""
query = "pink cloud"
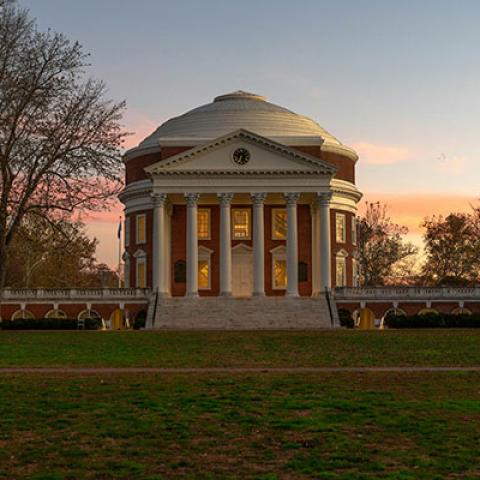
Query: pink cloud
(375, 154)
(410, 209)
(139, 125)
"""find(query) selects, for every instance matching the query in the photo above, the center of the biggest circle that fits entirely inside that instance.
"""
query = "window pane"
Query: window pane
(141, 236)
(241, 223)
(141, 275)
(280, 273)
(340, 227)
(279, 224)
(354, 230)
(203, 273)
(341, 272)
(203, 228)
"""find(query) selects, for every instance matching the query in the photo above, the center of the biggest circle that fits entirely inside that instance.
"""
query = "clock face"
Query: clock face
(241, 156)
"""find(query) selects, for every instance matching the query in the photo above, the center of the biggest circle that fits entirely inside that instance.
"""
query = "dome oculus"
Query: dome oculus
(241, 156)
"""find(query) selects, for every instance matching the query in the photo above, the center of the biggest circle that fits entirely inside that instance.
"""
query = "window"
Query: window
(279, 223)
(341, 271)
(340, 222)
(141, 228)
(241, 224)
(23, 315)
(204, 255)
(354, 230)
(127, 231)
(354, 272)
(56, 313)
(141, 273)
(203, 225)
(279, 268)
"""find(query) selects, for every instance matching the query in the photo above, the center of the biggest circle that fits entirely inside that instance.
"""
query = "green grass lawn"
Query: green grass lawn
(240, 425)
(241, 349)
(342, 426)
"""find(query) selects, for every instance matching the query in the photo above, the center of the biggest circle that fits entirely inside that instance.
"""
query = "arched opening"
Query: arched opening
(427, 311)
(57, 314)
(90, 319)
(140, 320)
(23, 315)
(461, 311)
(390, 313)
(366, 319)
(119, 320)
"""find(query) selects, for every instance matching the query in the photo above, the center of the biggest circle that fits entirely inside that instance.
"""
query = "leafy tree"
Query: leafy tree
(60, 137)
(381, 247)
(452, 247)
(55, 256)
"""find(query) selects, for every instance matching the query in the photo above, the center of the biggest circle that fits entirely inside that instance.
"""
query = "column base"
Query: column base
(258, 294)
(192, 295)
(225, 294)
(292, 294)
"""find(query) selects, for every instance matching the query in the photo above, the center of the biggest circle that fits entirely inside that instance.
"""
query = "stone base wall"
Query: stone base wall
(256, 313)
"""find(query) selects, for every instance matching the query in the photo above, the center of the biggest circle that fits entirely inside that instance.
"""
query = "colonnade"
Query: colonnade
(320, 247)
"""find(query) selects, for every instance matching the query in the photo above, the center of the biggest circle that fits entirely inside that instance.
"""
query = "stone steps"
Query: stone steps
(256, 313)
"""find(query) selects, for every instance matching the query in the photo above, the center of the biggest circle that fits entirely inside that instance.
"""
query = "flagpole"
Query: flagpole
(119, 234)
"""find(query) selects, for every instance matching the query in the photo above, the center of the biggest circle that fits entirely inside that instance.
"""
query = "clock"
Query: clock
(241, 156)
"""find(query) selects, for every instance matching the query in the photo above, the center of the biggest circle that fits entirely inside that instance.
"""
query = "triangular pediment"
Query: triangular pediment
(241, 152)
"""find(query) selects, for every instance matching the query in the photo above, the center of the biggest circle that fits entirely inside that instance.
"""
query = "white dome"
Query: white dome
(234, 111)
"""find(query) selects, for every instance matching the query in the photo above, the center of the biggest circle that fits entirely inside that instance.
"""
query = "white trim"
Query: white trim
(341, 259)
(343, 238)
(249, 219)
(56, 309)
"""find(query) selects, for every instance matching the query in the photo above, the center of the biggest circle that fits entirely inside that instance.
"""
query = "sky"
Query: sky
(396, 80)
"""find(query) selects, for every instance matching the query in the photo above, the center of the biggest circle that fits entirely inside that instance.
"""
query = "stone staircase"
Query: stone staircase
(255, 313)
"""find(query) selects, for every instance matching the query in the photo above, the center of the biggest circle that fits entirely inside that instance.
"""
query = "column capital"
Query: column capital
(324, 198)
(192, 199)
(158, 199)
(291, 197)
(225, 199)
(258, 198)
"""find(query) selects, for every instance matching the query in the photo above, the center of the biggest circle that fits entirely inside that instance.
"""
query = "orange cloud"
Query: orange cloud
(375, 154)
(410, 209)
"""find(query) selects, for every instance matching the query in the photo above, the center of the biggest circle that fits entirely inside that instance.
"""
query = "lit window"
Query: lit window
(340, 223)
(354, 230)
(204, 257)
(203, 275)
(141, 228)
(59, 314)
(241, 223)
(354, 272)
(280, 274)
(141, 273)
(203, 226)
(341, 272)
(279, 223)
(127, 231)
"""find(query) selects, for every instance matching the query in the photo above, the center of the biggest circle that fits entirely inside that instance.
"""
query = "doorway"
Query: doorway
(242, 271)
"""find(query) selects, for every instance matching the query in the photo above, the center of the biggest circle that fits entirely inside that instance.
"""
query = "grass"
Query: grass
(448, 347)
(275, 426)
(265, 426)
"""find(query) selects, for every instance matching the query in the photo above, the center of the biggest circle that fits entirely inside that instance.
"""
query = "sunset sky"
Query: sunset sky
(399, 81)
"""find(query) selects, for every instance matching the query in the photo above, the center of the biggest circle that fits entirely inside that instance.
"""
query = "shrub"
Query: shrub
(47, 324)
(345, 317)
(140, 320)
(441, 320)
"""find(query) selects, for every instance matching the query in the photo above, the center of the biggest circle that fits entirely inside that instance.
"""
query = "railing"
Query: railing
(406, 293)
(32, 294)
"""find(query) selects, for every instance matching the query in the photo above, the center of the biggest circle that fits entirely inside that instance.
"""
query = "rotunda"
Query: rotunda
(240, 198)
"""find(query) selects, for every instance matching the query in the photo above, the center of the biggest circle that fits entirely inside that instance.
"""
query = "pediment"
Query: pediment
(221, 156)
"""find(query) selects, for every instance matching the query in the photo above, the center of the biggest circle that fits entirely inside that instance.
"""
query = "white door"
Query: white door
(242, 271)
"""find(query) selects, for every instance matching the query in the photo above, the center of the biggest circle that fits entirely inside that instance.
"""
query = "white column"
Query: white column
(225, 244)
(258, 244)
(158, 259)
(315, 249)
(325, 250)
(192, 245)
(292, 244)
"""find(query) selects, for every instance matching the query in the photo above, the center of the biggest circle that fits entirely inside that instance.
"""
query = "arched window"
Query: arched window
(23, 315)
(427, 311)
(89, 315)
(56, 313)
(461, 311)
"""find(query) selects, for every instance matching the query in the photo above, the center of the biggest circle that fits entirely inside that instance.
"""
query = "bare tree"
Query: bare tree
(60, 137)
(382, 252)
